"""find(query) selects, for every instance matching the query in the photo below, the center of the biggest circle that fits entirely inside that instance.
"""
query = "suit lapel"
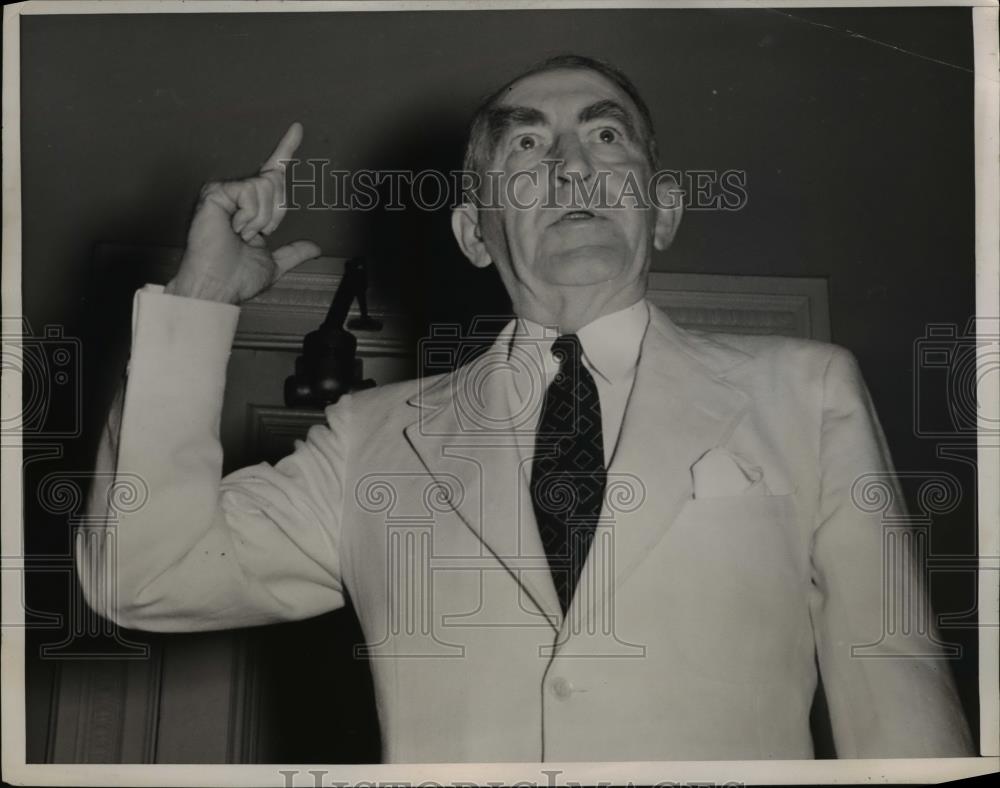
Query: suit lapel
(679, 408)
(463, 433)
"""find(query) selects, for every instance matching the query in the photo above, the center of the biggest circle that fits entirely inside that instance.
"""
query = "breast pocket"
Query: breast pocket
(737, 590)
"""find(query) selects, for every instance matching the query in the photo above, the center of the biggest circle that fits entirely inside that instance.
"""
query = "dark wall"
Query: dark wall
(854, 127)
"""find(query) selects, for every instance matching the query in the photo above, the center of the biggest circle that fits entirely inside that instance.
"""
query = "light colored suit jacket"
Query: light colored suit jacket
(739, 550)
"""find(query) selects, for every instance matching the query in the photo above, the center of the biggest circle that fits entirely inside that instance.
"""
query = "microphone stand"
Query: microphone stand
(329, 367)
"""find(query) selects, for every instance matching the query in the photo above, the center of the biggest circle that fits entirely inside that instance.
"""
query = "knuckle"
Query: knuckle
(248, 194)
(265, 186)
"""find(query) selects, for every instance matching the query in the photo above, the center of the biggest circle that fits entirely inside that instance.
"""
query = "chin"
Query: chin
(586, 267)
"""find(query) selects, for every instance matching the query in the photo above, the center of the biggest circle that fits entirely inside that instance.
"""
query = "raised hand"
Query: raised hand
(227, 258)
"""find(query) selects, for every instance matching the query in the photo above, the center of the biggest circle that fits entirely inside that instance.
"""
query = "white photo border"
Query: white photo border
(987, 249)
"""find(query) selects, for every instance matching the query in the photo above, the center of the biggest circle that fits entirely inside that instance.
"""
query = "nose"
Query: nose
(573, 162)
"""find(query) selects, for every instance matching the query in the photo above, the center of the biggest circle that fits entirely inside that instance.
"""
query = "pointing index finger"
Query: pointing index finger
(285, 150)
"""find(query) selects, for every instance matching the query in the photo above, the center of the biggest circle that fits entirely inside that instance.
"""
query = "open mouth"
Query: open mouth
(577, 216)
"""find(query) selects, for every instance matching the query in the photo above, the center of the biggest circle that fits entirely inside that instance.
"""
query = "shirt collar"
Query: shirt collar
(610, 344)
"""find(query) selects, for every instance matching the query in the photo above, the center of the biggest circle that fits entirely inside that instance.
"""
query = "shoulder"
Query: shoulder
(766, 353)
(780, 364)
(384, 406)
(782, 351)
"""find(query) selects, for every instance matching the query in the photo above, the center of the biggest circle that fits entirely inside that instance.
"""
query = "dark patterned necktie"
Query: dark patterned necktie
(568, 475)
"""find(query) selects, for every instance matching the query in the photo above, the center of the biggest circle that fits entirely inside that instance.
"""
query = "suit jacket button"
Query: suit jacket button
(562, 687)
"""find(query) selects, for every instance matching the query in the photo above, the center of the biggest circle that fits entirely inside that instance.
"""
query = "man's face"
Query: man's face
(575, 211)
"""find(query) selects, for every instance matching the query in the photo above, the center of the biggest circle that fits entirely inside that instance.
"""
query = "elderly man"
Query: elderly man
(635, 542)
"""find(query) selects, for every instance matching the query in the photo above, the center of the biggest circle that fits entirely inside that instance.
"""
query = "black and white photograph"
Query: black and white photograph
(554, 393)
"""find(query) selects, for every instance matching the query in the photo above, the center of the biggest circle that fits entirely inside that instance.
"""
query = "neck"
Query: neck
(572, 308)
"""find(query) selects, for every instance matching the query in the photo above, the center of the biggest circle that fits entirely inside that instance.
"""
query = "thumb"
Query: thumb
(293, 254)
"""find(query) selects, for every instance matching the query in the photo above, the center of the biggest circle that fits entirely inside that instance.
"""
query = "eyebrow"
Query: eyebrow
(610, 110)
(502, 118)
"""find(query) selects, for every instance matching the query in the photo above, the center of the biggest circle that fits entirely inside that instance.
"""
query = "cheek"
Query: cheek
(523, 191)
(628, 190)
(522, 235)
(521, 212)
(614, 157)
(631, 205)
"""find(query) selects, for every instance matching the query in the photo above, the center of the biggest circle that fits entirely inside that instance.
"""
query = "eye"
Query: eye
(525, 142)
(607, 135)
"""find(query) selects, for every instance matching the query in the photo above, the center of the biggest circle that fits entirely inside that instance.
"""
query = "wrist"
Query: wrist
(202, 288)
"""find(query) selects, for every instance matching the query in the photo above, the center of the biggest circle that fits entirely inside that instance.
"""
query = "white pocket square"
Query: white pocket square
(720, 474)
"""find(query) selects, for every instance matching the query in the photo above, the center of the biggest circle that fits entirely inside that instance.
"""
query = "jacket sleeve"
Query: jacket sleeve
(190, 550)
(889, 689)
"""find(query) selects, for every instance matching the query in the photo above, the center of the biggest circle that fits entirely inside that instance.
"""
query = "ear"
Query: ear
(465, 225)
(669, 209)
